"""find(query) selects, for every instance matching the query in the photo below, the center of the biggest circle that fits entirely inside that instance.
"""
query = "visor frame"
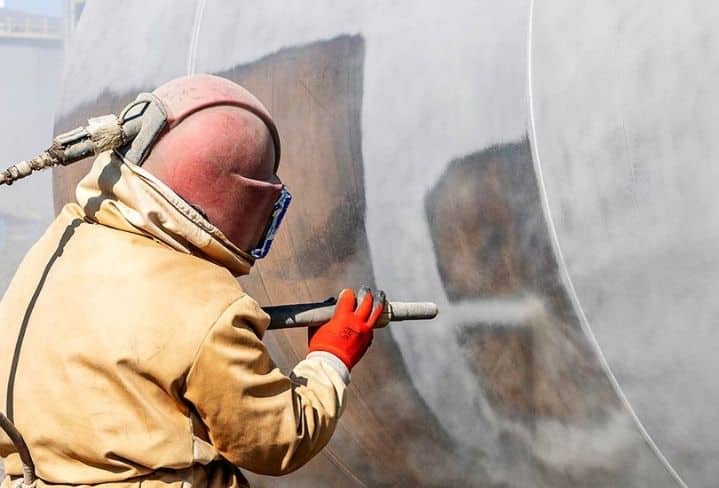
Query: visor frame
(279, 210)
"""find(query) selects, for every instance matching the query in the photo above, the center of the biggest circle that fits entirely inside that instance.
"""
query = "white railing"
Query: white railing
(30, 27)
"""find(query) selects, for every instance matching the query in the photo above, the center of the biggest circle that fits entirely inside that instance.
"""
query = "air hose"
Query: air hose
(101, 134)
(133, 132)
(28, 466)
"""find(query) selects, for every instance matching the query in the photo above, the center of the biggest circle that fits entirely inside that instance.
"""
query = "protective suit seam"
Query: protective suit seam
(207, 335)
(192, 368)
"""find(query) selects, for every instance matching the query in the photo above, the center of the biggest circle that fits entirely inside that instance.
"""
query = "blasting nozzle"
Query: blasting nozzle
(315, 314)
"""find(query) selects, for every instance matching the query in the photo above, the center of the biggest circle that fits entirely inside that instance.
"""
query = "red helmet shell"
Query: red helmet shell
(189, 94)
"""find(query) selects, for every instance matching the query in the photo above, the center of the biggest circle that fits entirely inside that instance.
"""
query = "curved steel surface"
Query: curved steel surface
(625, 108)
(406, 136)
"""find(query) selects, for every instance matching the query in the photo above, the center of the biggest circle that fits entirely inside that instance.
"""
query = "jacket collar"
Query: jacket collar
(119, 194)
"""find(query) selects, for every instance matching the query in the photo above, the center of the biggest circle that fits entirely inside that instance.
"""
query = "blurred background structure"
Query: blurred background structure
(32, 41)
(31, 52)
(543, 170)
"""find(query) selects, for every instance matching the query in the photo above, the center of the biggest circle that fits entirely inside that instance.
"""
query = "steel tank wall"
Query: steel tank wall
(625, 105)
(410, 147)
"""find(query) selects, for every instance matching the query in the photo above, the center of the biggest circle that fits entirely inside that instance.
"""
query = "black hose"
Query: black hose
(28, 466)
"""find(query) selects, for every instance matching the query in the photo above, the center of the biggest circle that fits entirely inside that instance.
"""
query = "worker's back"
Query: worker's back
(131, 354)
(99, 328)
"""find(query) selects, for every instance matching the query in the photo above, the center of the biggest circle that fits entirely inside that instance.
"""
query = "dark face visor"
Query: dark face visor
(278, 213)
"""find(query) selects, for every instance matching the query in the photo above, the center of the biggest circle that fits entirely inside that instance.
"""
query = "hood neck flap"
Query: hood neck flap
(119, 194)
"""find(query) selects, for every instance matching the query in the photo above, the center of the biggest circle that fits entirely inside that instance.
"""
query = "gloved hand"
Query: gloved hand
(348, 334)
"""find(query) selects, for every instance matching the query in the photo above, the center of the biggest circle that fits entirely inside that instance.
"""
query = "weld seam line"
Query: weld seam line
(564, 272)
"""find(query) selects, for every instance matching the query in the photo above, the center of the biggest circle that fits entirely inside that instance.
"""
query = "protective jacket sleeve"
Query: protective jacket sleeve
(257, 417)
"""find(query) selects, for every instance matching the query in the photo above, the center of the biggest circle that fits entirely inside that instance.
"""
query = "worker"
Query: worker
(129, 353)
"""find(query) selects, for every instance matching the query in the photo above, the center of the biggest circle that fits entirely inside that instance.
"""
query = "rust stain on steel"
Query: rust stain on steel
(490, 239)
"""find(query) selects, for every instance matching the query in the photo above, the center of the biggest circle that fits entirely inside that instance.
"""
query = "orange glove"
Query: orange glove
(348, 334)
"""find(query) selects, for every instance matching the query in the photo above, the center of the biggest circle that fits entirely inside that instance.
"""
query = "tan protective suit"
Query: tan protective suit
(140, 359)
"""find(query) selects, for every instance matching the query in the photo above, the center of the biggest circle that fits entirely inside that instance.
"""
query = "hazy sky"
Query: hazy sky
(43, 7)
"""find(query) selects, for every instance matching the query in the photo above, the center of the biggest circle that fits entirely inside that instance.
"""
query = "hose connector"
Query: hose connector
(101, 134)
(136, 129)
